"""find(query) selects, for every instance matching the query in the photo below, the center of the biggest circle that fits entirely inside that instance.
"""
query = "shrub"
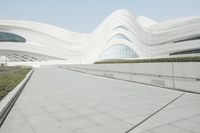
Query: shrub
(152, 60)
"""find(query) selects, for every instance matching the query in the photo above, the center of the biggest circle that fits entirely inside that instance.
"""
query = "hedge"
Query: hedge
(152, 60)
(9, 80)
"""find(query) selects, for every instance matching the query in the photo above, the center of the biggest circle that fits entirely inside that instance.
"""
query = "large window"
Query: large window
(117, 52)
(9, 37)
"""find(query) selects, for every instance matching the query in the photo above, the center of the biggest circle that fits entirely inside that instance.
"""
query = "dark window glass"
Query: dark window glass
(193, 51)
(188, 39)
(10, 37)
(121, 27)
(122, 36)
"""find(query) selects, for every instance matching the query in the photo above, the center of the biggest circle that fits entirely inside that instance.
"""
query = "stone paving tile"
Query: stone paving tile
(168, 129)
(77, 123)
(147, 125)
(62, 101)
(65, 115)
(94, 129)
(103, 108)
(73, 105)
(86, 111)
(187, 125)
(22, 128)
(55, 108)
(40, 119)
(102, 118)
(49, 128)
(116, 127)
(120, 114)
(135, 120)
(195, 119)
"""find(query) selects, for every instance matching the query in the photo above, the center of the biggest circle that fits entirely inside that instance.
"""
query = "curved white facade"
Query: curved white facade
(121, 35)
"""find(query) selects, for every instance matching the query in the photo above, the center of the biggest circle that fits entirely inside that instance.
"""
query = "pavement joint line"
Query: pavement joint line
(26, 120)
(155, 113)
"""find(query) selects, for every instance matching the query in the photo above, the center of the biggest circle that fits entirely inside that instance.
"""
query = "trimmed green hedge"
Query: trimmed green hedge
(153, 60)
(9, 80)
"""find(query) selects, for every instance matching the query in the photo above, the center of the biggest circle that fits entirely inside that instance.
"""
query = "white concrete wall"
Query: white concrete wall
(181, 76)
(190, 70)
(146, 37)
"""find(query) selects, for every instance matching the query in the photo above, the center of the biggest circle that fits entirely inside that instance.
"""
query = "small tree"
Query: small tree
(2, 64)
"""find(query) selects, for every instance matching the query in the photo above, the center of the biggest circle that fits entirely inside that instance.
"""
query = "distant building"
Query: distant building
(121, 35)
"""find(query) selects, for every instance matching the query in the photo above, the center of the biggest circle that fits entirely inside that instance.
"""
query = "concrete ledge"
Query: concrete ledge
(8, 101)
(178, 76)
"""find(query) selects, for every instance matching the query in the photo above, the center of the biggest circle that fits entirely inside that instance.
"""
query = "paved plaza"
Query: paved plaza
(63, 101)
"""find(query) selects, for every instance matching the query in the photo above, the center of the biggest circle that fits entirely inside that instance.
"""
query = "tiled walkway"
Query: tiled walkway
(63, 101)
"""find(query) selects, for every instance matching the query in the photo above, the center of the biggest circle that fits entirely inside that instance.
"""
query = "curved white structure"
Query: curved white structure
(121, 35)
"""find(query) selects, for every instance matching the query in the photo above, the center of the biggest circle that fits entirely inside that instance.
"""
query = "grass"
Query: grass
(152, 60)
(10, 77)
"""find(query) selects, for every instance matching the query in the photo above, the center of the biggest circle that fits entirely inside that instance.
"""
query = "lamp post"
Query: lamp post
(6, 61)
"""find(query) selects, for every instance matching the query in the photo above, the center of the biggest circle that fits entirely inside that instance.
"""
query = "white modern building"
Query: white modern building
(121, 35)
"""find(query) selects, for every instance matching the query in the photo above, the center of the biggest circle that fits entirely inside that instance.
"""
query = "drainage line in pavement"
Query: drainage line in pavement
(155, 113)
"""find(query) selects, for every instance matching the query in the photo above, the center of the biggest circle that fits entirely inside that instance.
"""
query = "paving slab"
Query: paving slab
(64, 101)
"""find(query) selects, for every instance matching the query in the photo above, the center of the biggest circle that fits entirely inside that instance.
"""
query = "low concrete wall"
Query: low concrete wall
(179, 76)
(8, 101)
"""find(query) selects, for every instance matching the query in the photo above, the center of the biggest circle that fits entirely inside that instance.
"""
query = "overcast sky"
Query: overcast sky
(86, 15)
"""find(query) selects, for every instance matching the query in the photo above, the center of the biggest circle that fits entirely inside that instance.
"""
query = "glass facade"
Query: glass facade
(10, 37)
(118, 51)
